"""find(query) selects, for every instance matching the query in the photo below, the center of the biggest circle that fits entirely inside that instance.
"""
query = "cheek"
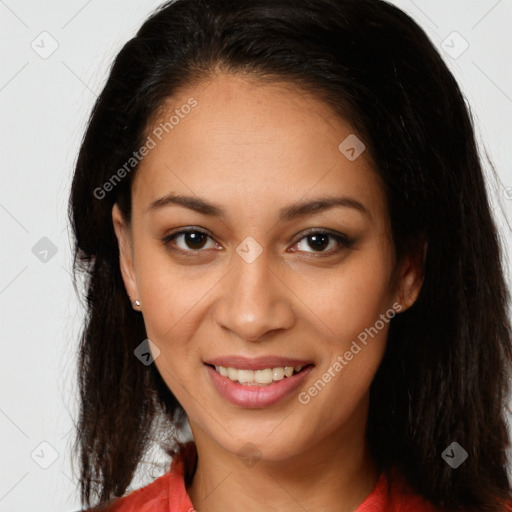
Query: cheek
(351, 298)
(169, 293)
(337, 395)
(167, 304)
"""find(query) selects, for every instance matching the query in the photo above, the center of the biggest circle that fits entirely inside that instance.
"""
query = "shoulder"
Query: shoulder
(152, 497)
(168, 492)
(392, 494)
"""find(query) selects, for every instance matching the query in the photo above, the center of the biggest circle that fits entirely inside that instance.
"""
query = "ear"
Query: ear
(125, 243)
(411, 275)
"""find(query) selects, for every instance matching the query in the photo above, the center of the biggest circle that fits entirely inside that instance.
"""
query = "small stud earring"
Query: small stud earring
(136, 303)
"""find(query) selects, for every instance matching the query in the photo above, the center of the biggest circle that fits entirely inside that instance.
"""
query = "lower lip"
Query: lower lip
(255, 396)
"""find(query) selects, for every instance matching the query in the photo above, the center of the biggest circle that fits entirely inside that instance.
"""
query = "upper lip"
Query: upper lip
(256, 363)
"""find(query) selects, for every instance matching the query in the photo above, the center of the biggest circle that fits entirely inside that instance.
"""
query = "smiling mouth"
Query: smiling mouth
(265, 376)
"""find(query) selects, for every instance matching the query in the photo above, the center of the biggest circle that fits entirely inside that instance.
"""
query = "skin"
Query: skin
(253, 148)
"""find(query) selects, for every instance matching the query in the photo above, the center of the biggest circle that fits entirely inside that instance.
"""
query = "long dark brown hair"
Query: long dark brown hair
(446, 370)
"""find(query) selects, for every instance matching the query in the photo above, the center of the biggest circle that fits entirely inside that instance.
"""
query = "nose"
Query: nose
(255, 302)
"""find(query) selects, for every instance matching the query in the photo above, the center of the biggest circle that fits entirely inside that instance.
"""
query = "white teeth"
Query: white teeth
(288, 371)
(245, 376)
(252, 377)
(278, 373)
(263, 376)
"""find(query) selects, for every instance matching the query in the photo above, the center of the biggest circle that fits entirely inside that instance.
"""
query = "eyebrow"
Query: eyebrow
(288, 213)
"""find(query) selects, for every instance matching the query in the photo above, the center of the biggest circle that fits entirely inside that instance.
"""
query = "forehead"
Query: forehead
(246, 144)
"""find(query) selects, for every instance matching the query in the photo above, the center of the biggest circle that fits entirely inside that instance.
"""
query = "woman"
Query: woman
(281, 212)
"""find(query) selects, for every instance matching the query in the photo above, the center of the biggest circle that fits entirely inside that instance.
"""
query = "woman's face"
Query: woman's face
(262, 282)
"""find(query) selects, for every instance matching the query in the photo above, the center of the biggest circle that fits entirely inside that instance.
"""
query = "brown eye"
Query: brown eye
(324, 242)
(194, 239)
(191, 240)
(320, 241)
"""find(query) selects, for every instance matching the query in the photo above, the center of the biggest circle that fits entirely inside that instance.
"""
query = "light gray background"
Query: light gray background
(44, 106)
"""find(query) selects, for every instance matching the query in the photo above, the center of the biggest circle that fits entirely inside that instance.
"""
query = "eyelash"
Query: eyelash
(344, 241)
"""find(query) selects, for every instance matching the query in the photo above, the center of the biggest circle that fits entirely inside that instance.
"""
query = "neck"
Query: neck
(335, 474)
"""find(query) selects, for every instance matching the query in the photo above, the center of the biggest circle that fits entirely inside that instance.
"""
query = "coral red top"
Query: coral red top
(168, 492)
